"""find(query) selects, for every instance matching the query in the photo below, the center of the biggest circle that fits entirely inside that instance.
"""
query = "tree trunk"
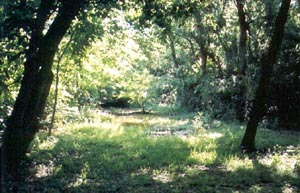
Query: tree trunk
(203, 56)
(201, 40)
(242, 62)
(173, 51)
(261, 95)
(55, 96)
(23, 123)
(56, 84)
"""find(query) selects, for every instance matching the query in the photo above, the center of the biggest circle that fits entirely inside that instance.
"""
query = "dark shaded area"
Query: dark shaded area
(116, 102)
(284, 105)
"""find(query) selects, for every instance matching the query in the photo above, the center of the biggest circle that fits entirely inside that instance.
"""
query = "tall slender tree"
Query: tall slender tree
(267, 63)
(242, 60)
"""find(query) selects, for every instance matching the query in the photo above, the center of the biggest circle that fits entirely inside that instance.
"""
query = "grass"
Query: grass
(161, 153)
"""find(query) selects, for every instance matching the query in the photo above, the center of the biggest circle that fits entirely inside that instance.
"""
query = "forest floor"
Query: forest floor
(160, 152)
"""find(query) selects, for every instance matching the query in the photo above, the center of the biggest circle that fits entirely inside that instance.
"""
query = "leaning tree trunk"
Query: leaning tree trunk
(242, 62)
(261, 95)
(22, 125)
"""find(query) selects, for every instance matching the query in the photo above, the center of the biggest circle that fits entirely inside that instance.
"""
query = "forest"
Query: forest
(125, 96)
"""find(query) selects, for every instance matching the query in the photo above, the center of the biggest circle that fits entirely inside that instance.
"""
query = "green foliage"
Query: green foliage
(112, 69)
(105, 47)
(13, 42)
(192, 26)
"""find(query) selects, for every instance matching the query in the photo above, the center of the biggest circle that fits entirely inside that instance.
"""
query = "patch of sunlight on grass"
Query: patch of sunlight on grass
(92, 130)
(160, 121)
(116, 131)
(44, 170)
(129, 121)
(205, 157)
(162, 176)
(281, 163)
(193, 141)
(163, 121)
(109, 126)
(78, 181)
(48, 144)
(141, 171)
(287, 188)
(80, 178)
(214, 135)
(234, 163)
(256, 188)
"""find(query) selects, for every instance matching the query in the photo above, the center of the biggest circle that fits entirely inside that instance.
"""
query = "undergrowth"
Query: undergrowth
(161, 153)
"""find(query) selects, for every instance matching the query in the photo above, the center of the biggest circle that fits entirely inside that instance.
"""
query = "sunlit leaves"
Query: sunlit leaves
(107, 59)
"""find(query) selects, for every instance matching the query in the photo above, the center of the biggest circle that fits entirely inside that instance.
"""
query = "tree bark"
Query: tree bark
(173, 51)
(201, 40)
(267, 63)
(23, 123)
(242, 62)
(203, 56)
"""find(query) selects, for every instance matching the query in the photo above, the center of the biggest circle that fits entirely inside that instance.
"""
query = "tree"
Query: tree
(58, 63)
(242, 60)
(267, 63)
(23, 123)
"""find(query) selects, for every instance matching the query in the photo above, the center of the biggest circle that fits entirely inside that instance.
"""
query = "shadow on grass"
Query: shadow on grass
(90, 159)
(262, 171)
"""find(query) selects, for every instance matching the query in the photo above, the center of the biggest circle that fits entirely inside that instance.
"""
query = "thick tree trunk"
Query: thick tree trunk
(242, 62)
(22, 125)
(261, 96)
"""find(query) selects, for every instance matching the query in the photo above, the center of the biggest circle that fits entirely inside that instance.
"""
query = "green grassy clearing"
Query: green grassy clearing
(161, 153)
